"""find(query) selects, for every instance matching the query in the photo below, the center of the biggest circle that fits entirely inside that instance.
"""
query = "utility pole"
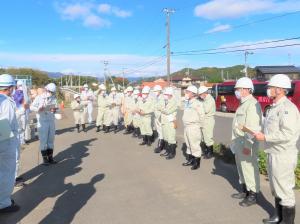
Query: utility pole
(246, 65)
(168, 13)
(105, 71)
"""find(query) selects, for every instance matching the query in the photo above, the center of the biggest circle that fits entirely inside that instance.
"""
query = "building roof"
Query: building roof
(277, 69)
(180, 77)
(160, 82)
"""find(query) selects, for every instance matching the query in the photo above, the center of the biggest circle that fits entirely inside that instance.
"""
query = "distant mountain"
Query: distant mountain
(55, 75)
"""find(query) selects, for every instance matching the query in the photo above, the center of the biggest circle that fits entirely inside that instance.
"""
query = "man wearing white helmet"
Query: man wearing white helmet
(88, 95)
(9, 143)
(158, 100)
(209, 105)
(146, 110)
(193, 118)
(46, 106)
(136, 118)
(280, 135)
(168, 122)
(129, 106)
(103, 107)
(78, 106)
(115, 104)
(245, 147)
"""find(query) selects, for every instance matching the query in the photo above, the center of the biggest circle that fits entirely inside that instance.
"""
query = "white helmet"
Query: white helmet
(113, 89)
(129, 89)
(202, 89)
(192, 89)
(76, 96)
(51, 87)
(169, 91)
(85, 86)
(146, 89)
(20, 83)
(136, 92)
(281, 81)
(7, 80)
(157, 88)
(245, 83)
(102, 87)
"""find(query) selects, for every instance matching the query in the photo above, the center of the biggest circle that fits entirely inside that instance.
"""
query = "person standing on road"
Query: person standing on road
(46, 106)
(209, 105)
(136, 118)
(103, 107)
(169, 123)
(115, 103)
(193, 118)
(77, 106)
(245, 147)
(88, 95)
(146, 109)
(280, 135)
(129, 106)
(9, 143)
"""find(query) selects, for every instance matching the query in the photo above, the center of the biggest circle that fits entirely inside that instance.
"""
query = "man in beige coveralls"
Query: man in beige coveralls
(280, 134)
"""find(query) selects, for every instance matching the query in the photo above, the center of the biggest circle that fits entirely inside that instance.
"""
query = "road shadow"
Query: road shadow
(64, 130)
(49, 182)
(229, 172)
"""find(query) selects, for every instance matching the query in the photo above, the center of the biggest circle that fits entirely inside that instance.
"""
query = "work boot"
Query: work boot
(144, 142)
(116, 130)
(84, 128)
(160, 146)
(106, 129)
(135, 132)
(249, 200)
(243, 194)
(78, 128)
(172, 154)
(167, 148)
(45, 157)
(276, 218)
(189, 161)
(50, 156)
(209, 152)
(288, 215)
(139, 133)
(155, 134)
(196, 163)
(98, 129)
(12, 208)
(203, 149)
(149, 140)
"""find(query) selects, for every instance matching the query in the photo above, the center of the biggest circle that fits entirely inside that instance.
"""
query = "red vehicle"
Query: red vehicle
(227, 102)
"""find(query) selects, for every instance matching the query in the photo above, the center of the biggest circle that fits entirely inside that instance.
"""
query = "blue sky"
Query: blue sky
(78, 35)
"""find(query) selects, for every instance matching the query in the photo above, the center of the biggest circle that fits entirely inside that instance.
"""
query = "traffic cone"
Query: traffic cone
(62, 105)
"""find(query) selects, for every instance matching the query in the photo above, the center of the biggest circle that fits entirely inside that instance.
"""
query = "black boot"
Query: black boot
(126, 130)
(276, 218)
(288, 215)
(10, 209)
(149, 140)
(196, 163)
(243, 194)
(167, 148)
(172, 154)
(139, 133)
(106, 129)
(45, 157)
(50, 156)
(160, 146)
(77, 127)
(144, 142)
(98, 129)
(84, 128)
(249, 200)
(135, 132)
(116, 130)
(189, 161)
(209, 152)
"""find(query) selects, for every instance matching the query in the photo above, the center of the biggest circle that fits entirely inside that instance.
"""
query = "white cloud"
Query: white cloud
(90, 14)
(95, 21)
(220, 28)
(104, 8)
(217, 9)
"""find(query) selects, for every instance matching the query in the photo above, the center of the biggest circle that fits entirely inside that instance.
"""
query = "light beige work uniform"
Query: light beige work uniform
(147, 106)
(248, 114)
(129, 106)
(115, 104)
(103, 109)
(136, 118)
(158, 105)
(209, 105)
(78, 111)
(281, 129)
(193, 118)
(168, 120)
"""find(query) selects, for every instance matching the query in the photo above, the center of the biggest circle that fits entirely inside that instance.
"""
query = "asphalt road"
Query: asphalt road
(110, 179)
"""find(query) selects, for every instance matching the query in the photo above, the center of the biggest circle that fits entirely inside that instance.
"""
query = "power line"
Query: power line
(238, 46)
(240, 26)
(239, 50)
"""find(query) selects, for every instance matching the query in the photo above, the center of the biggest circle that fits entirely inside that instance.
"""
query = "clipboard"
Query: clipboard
(245, 129)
